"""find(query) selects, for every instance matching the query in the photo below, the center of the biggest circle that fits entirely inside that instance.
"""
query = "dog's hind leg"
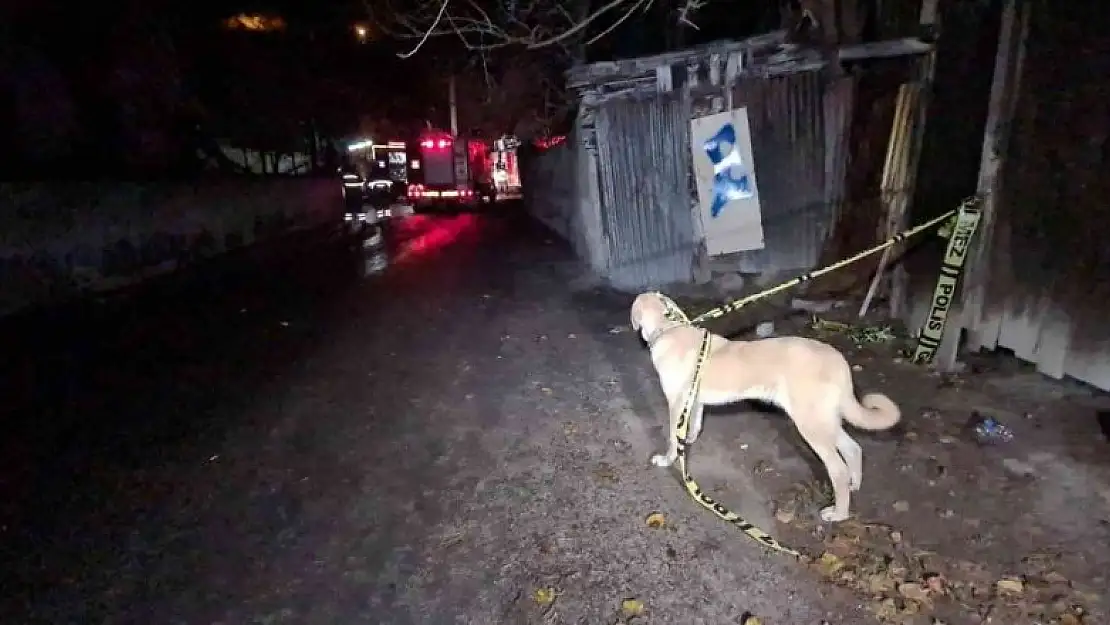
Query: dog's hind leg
(822, 435)
(841, 484)
(853, 456)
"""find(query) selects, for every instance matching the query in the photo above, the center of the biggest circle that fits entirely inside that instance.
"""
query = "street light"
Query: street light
(362, 33)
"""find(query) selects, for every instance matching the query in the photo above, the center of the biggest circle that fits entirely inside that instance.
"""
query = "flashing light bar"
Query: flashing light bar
(429, 143)
(360, 145)
(381, 213)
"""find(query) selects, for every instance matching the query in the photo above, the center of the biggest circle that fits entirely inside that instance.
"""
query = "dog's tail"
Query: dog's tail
(874, 412)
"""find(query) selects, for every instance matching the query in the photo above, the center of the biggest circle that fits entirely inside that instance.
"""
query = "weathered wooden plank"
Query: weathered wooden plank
(1090, 366)
(1051, 352)
(985, 332)
(602, 71)
(908, 46)
(1021, 325)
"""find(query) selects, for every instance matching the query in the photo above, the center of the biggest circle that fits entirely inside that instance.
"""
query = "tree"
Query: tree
(514, 52)
(565, 25)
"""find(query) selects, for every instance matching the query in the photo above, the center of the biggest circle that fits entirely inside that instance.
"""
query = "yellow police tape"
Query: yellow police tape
(961, 222)
(928, 340)
(969, 205)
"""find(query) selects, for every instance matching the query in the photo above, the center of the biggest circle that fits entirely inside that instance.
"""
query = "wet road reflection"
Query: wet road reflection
(423, 236)
(371, 255)
(409, 240)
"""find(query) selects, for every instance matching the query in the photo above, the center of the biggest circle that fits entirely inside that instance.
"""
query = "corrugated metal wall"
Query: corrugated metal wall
(644, 163)
(790, 145)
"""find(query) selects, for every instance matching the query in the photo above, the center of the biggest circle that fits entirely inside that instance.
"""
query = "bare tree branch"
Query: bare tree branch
(529, 24)
(646, 4)
(691, 6)
(439, 17)
(522, 88)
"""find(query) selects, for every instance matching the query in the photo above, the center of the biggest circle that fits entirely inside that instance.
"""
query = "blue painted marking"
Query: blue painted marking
(731, 180)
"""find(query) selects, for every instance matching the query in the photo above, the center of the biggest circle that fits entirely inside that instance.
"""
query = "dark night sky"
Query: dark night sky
(316, 69)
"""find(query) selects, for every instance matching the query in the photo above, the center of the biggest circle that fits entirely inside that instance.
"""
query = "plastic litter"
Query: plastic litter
(988, 431)
(765, 329)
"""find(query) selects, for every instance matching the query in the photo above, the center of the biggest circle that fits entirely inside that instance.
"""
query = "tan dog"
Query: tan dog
(810, 380)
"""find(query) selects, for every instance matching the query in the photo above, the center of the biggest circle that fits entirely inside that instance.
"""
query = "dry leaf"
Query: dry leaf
(843, 546)
(751, 620)
(632, 607)
(829, 564)
(606, 473)
(886, 609)
(784, 515)
(936, 583)
(910, 607)
(546, 391)
(877, 583)
(544, 596)
(1052, 577)
(655, 520)
(913, 591)
(1010, 585)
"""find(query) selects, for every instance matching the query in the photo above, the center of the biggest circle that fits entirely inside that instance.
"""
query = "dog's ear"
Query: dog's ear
(637, 311)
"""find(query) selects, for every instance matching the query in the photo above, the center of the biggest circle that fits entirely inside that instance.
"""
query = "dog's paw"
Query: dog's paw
(830, 515)
(662, 460)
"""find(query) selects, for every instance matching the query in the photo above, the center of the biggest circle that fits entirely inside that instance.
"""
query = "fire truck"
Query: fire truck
(506, 168)
(446, 171)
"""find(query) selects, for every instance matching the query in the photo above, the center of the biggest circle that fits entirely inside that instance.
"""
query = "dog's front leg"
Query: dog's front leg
(667, 459)
(695, 423)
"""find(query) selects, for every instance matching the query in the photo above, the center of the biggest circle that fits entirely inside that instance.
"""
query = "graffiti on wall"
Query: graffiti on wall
(728, 190)
(731, 180)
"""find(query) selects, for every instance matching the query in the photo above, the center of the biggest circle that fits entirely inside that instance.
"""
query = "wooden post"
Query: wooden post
(893, 187)
(929, 22)
(1005, 87)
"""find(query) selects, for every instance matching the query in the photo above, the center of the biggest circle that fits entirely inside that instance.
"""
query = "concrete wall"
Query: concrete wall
(59, 240)
(561, 191)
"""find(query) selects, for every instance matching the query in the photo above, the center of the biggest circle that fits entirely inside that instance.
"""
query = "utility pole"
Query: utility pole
(452, 104)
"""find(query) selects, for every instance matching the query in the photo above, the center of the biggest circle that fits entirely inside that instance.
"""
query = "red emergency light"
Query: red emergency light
(418, 191)
(441, 144)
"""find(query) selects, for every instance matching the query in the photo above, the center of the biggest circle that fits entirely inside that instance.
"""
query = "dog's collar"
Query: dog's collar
(658, 334)
(674, 316)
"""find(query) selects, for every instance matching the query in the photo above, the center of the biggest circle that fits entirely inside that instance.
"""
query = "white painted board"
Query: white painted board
(728, 194)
